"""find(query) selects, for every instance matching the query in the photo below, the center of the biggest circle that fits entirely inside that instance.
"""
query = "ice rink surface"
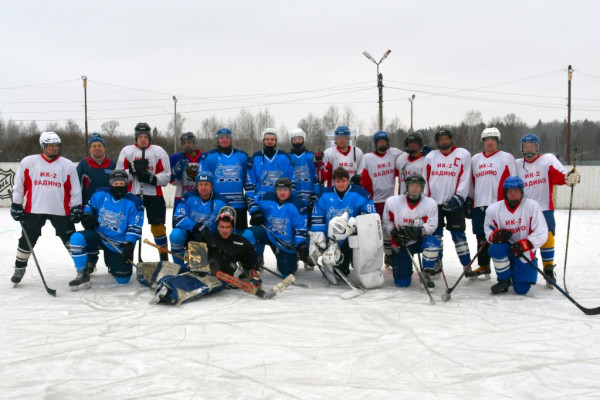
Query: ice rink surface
(108, 342)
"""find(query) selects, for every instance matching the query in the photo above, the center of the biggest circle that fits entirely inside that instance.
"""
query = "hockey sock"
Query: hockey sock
(159, 231)
(22, 257)
(462, 247)
(499, 253)
(78, 251)
(547, 251)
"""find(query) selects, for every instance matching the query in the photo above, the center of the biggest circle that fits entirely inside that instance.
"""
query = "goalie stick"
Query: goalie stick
(355, 292)
(587, 311)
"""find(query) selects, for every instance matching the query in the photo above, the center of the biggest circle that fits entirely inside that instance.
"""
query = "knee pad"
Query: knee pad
(178, 237)
(122, 280)
(249, 235)
(77, 240)
(521, 287)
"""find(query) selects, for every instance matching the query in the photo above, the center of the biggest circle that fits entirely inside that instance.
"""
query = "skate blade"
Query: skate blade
(83, 286)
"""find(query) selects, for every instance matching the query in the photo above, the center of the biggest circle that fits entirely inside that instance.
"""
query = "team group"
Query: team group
(305, 206)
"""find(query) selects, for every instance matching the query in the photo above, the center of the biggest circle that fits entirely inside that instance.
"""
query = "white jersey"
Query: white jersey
(447, 175)
(399, 212)
(334, 158)
(47, 187)
(539, 176)
(488, 175)
(158, 164)
(378, 173)
(525, 222)
(406, 165)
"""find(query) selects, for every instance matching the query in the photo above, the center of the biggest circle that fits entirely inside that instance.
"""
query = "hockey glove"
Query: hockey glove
(520, 247)
(572, 178)
(355, 180)
(408, 233)
(180, 167)
(140, 165)
(468, 208)
(147, 177)
(89, 222)
(255, 277)
(75, 214)
(257, 218)
(500, 236)
(17, 212)
(318, 243)
(399, 239)
(303, 254)
(127, 252)
(453, 204)
(199, 228)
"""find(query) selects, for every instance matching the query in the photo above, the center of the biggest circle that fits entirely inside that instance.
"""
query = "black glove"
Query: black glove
(17, 212)
(257, 218)
(127, 252)
(399, 239)
(453, 204)
(140, 165)
(199, 228)
(147, 177)
(408, 233)
(468, 208)
(355, 180)
(520, 247)
(75, 214)
(89, 222)
(500, 236)
(302, 250)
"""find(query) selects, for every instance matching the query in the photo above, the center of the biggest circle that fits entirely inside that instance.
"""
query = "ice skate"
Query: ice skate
(549, 270)
(501, 286)
(161, 296)
(427, 280)
(484, 271)
(18, 275)
(81, 281)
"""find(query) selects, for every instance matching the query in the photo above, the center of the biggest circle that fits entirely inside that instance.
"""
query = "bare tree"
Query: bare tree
(331, 118)
(315, 134)
(348, 116)
(180, 121)
(263, 120)
(109, 128)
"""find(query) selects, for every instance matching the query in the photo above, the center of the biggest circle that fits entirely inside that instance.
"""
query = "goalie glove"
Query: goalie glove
(318, 243)
(520, 247)
(340, 228)
(333, 256)
(572, 178)
(500, 236)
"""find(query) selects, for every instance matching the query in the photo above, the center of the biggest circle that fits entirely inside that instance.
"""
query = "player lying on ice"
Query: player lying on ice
(411, 220)
(225, 250)
(346, 212)
(112, 220)
(515, 227)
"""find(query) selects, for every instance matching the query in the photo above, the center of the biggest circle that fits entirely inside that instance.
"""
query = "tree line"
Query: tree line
(20, 139)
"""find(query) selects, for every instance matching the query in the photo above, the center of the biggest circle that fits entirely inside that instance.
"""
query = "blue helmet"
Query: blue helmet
(530, 138)
(205, 176)
(381, 135)
(342, 131)
(513, 182)
(223, 131)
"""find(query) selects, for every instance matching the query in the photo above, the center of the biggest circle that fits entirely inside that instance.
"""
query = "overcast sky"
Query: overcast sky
(296, 57)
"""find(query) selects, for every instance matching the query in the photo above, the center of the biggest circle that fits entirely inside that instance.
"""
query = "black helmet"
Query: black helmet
(143, 127)
(283, 183)
(444, 132)
(415, 178)
(413, 137)
(118, 175)
(187, 136)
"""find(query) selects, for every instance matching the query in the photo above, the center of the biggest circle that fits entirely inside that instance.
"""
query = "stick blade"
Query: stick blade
(351, 294)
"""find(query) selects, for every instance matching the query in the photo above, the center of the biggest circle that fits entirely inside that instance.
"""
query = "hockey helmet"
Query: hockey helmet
(118, 175)
(530, 138)
(283, 183)
(227, 213)
(342, 130)
(205, 176)
(297, 132)
(381, 135)
(490, 133)
(142, 128)
(414, 178)
(187, 136)
(269, 131)
(224, 131)
(47, 138)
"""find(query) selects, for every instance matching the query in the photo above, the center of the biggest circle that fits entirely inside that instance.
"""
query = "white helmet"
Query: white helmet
(269, 131)
(490, 132)
(48, 138)
(297, 132)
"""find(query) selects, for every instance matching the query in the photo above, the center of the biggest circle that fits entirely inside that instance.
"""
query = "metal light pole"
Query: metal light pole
(379, 83)
(570, 71)
(175, 126)
(411, 99)
(86, 122)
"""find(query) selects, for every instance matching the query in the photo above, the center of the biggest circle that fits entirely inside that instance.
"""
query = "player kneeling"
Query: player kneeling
(515, 227)
(411, 220)
(112, 220)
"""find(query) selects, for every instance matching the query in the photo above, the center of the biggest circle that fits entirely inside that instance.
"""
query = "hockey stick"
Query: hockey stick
(569, 229)
(431, 300)
(250, 288)
(285, 245)
(277, 274)
(447, 296)
(114, 243)
(355, 292)
(142, 196)
(163, 250)
(587, 311)
(51, 292)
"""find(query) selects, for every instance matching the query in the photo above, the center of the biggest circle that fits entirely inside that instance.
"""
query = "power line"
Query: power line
(38, 85)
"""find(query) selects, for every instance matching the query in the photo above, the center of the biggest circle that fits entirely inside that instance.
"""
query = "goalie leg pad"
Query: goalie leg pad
(189, 286)
(149, 273)
(367, 259)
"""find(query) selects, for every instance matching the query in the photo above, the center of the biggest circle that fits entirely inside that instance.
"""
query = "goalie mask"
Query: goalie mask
(227, 213)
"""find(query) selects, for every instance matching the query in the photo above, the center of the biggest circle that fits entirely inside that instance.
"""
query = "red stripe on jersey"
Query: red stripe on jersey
(505, 174)
(67, 195)
(159, 167)
(366, 182)
(27, 188)
(462, 169)
(428, 175)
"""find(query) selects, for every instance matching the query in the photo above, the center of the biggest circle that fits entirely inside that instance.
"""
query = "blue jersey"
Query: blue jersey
(305, 175)
(187, 181)
(193, 210)
(93, 176)
(119, 221)
(286, 223)
(230, 174)
(263, 172)
(356, 201)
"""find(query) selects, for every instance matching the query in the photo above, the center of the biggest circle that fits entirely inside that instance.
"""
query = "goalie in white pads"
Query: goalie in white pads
(411, 220)
(515, 227)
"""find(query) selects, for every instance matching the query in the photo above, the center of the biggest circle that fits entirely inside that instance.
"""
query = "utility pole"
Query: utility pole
(570, 71)
(175, 126)
(86, 119)
(379, 83)
(411, 99)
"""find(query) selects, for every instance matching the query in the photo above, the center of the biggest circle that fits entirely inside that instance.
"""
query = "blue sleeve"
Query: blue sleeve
(300, 231)
(319, 216)
(250, 186)
(94, 203)
(135, 220)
